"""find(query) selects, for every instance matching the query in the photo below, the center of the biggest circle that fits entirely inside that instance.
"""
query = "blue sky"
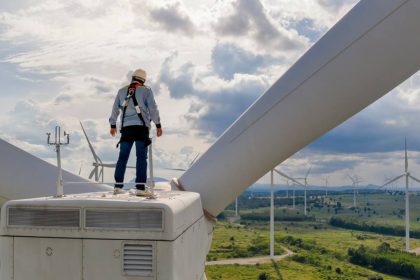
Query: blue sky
(63, 61)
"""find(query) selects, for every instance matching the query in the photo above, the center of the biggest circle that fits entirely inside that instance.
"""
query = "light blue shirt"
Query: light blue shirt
(147, 104)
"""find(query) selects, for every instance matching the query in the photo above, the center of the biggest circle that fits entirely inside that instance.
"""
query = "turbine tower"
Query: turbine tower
(407, 176)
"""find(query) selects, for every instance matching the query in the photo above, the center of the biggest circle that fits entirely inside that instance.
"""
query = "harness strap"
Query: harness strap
(138, 110)
(131, 93)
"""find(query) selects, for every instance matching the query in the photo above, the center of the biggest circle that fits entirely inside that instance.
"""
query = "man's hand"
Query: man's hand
(113, 131)
(159, 132)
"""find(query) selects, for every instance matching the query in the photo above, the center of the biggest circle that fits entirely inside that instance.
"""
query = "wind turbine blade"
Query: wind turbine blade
(92, 173)
(101, 174)
(392, 181)
(288, 177)
(95, 156)
(414, 178)
(175, 169)
(406, 158)
(109, 165)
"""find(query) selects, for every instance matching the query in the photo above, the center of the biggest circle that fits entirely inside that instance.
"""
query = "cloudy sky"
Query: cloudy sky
(207, 61)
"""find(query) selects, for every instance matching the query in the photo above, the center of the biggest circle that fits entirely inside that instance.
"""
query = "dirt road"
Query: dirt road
(251, 261)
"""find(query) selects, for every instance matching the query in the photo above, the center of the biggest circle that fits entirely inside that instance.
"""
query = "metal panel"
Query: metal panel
(142, 219)
(47, 259)
(6, 258)
(138, 259)
(43, 217)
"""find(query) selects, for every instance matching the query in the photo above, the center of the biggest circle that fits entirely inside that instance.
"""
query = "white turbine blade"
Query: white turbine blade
(80, 169)
(175, 169)
(92, 173)
(414, 178)
(406, 158)
(109, 165)
(288, 177)
(112, 165)
(392, 181)
(95, 156)
(101, 174)
(358, 179)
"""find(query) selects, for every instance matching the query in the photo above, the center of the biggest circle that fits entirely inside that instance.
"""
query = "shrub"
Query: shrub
(338, 270)
(263, 276)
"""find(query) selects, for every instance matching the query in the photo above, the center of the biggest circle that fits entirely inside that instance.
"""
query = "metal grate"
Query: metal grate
(144, 219)
(43, 217)
(138, 260)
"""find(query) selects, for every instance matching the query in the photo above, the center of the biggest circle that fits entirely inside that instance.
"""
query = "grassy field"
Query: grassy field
(321, 251)
(333, 242)
(383, 209)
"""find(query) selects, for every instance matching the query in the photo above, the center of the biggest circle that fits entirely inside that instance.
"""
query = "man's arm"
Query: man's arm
(114, 116)
(154, 112)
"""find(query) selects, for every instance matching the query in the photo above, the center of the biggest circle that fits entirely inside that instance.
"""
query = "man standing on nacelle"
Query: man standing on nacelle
(138, 108)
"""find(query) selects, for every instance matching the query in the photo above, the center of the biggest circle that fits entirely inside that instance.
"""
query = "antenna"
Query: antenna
(57, 143)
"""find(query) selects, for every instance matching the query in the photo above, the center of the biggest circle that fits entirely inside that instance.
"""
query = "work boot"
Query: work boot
(118, 191)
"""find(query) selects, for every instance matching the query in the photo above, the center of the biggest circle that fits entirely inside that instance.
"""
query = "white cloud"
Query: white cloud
(62, 61)
(173, 19)
(250, 19)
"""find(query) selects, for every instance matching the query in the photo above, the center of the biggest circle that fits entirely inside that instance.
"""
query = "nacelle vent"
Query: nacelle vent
(142, 219)
(43, 217)
(138, 260)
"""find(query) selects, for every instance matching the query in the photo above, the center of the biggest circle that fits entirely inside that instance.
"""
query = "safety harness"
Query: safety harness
(131, 94)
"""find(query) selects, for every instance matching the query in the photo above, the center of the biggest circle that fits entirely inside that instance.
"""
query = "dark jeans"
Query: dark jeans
(141, 163)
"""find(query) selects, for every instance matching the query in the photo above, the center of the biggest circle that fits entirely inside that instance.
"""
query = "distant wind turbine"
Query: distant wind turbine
(99, 174)
(305, 180)
(326, 186)
(294, 182)
(183, 169)
(407, 175)
(355, 181)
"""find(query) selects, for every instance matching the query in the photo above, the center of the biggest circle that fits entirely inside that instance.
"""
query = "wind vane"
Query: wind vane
(58, 144)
